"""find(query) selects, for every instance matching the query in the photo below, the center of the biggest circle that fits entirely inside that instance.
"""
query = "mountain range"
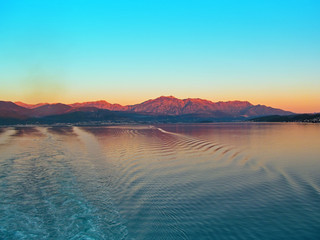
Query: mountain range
(163, 109)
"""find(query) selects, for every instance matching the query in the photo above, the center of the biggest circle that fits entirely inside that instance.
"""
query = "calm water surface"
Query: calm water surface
(209, 181)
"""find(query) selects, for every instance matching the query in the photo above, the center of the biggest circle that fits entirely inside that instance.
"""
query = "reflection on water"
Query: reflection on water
(209, 181)
(24, 131)
(67, 131)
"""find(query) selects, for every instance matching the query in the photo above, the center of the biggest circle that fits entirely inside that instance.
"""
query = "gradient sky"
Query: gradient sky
(123, 51)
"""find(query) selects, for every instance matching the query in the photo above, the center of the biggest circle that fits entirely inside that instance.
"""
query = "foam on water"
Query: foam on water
(145, 182)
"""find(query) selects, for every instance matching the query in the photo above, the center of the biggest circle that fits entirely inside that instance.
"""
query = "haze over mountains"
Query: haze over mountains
(159, 109)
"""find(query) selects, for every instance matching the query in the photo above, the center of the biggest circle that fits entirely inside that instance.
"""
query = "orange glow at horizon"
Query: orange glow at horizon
(307, 104)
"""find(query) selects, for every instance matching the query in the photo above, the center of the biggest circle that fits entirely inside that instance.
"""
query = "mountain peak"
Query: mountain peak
(172, 97)
(163, 105)
(30, 106)
(102, 104)
(170, 105)
(164, 98)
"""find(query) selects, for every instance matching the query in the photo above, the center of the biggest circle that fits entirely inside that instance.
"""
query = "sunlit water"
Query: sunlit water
(210, 181)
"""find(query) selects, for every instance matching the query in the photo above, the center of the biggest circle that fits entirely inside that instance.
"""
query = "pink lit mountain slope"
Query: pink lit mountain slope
(101, 105)
(162, 106)
(11, 110)
(174, 106)
(30, 106)
(50, 109)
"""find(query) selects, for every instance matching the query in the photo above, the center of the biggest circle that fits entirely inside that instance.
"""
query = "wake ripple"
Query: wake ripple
(143, 182)
(44, 197)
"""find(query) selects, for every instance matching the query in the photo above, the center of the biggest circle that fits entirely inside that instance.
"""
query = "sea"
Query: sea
(173, 181)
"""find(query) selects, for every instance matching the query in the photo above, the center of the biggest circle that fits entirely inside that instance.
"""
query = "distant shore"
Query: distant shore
(305, 118)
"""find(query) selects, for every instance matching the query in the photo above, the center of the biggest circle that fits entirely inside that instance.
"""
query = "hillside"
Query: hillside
(162, 109)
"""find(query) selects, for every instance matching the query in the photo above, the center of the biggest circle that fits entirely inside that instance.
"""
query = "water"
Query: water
(209, 181)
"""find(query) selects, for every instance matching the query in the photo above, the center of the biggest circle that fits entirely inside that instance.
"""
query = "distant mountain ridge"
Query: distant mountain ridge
(174, 106)
(101, 104)
(190, 109)
(30, 106)
(169, 105)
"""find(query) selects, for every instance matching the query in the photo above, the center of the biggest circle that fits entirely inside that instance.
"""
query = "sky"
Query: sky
(123, 51)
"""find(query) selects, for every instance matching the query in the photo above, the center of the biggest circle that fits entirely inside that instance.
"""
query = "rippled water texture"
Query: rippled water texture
(210, 181)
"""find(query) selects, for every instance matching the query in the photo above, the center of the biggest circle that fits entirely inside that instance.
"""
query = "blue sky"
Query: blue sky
(267, 52)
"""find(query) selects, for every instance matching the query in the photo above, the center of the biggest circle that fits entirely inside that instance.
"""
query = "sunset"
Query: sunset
(124, 52)
(159, 119)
